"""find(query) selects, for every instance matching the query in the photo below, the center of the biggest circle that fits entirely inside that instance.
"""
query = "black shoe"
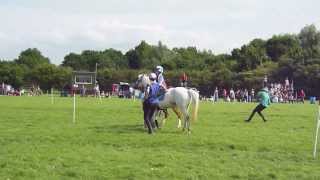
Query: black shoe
(247, 120)
(264, 120)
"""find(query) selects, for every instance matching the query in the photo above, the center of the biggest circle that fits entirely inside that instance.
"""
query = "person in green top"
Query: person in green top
(264, 99)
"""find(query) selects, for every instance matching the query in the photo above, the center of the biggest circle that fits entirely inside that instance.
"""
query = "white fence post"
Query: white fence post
(317, 132)
(74, 108)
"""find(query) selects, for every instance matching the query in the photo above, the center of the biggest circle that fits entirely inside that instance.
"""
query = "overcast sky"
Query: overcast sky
(57, 27)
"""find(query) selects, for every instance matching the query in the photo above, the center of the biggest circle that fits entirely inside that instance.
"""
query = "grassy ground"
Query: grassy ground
(39, 141)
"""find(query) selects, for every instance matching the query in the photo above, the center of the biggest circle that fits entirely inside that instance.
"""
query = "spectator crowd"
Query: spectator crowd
(279, 93)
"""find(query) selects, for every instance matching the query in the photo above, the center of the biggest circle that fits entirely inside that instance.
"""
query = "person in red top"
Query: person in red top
(224, 93)
(184, 79)
(302, 95)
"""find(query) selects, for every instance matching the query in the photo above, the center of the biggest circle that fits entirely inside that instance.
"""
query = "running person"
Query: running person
(264, 99)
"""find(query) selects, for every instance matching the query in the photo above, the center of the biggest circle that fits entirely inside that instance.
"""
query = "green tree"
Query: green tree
(113, 59)
(250, 56)
(91, 58)
(310, 41)
(32, 58)
(49, 76)
(283, 46)
(143, 56)
(11, 73)
(75, 61)
(133, 59)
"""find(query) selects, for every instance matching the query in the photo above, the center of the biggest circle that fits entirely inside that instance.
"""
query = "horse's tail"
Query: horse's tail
(195, 102)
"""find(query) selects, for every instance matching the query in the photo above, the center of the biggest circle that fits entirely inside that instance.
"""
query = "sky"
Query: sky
(58, 27)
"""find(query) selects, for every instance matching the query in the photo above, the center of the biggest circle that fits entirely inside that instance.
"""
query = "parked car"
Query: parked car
(124, 90)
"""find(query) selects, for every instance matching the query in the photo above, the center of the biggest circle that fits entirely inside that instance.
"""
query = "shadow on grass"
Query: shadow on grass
(120, 128)
(133, 129)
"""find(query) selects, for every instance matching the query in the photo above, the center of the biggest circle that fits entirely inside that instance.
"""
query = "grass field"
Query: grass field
(39, 141)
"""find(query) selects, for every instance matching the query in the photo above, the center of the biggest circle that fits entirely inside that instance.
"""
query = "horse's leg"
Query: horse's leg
(154, 119)
(175, 110)
(188, 124)
(166, 115)
(165, 111)
(184, 111)
(155, 116)
(186, 117)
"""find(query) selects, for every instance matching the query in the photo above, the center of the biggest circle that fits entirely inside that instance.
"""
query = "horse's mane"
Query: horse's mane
(142, 74)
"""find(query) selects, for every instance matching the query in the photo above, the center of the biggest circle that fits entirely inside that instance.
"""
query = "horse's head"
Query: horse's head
(142, 82)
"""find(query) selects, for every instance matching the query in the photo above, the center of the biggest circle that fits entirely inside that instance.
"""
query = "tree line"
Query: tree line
(296, 56)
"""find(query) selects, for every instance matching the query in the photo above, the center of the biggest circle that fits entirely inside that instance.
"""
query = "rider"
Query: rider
(151, 101)
(183, 79)
(160, 78)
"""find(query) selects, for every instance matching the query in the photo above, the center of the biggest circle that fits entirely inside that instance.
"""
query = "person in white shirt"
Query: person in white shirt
(3, 88)
(97, 90)
(287, 83)
(216, 95)
(232, 95)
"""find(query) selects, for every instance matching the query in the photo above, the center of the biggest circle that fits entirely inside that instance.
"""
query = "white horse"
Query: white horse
(179, 99)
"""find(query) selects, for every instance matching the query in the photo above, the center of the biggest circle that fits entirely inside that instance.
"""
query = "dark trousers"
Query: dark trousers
(258, 109)
(148, 111)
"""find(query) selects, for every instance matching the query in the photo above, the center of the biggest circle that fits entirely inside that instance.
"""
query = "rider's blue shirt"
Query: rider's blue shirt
(153, 93)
